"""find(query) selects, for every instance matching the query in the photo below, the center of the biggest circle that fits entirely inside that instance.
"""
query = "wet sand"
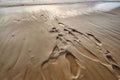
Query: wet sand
(83, 47)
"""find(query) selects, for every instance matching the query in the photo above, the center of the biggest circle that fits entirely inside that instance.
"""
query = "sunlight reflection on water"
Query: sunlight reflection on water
(107, 6)
(62, 11)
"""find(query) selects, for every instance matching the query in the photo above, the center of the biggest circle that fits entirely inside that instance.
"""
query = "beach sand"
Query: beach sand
(82, 47)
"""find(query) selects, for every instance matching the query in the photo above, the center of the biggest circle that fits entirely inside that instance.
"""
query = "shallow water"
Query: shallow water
(107, 6)
(64, 10)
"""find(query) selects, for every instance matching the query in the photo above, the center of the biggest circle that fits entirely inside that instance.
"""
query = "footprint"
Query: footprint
(53, 30)
(116, 68)
(110, 58)
(74, 67)
(98, 42)
(74, 30)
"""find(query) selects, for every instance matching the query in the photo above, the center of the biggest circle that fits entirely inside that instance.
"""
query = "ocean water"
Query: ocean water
(10, 2)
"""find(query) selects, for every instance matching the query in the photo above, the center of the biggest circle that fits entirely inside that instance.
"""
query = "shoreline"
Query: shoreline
(2, 5)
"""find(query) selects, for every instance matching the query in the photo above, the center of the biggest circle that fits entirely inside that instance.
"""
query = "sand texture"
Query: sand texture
(83, 47)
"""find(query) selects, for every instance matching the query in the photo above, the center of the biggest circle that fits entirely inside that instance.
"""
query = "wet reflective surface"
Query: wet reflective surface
(64, 10)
